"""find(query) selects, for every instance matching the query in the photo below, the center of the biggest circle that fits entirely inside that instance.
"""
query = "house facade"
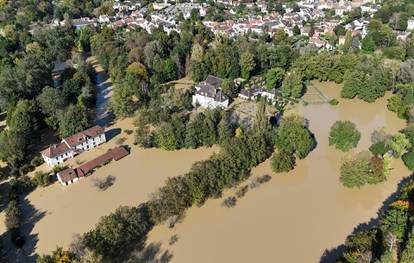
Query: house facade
(73, 145)
(57, 154)
(67, 176)
(209, 94)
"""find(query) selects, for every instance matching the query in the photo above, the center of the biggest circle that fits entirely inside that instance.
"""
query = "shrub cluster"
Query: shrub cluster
(364, 168)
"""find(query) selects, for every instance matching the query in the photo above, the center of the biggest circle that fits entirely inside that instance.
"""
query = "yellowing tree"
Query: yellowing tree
(138, 69)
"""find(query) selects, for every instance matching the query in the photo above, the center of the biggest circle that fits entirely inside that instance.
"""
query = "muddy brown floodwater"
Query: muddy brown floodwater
(297, 215)
(62, 212)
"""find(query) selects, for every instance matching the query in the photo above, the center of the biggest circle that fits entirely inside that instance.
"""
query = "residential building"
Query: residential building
(209, 94)
(57, 154)
(71, 146)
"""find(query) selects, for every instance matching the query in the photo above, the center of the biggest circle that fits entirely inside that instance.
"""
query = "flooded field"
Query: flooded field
(297, 215)
(61, 211)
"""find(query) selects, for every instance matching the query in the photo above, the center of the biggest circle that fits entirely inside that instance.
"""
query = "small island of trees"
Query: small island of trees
(373, 166)
(292, 139)
(344, 135)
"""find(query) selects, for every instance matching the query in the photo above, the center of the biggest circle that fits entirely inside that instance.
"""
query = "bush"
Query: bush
(27, 168)
(408, 159)
(13, 215)
(230, 202)
(42, 179)
(128, 132)
(37, 161)
(344, 135)
(334, 102)
(283, 162)
(264, 179)
(242, 191)
(58, 168)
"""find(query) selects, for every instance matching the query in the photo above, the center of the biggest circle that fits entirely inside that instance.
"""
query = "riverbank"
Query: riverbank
(297, 215)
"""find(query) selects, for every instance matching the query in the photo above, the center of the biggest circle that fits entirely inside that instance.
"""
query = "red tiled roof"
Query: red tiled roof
(67, 175)
(114, 154)
(84, 135)
(56, 150)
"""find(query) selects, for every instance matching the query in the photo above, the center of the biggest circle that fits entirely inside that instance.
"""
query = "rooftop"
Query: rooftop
(56, 150)
(80, 137)
(86, 168)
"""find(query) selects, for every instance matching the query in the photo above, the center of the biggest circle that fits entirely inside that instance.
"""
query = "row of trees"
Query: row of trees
(127, 228)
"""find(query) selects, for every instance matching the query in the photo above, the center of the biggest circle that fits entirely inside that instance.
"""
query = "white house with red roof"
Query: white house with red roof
(73, 145)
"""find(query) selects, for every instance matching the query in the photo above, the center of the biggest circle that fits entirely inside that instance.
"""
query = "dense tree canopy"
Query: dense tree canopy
(368, 81)
(293, 137)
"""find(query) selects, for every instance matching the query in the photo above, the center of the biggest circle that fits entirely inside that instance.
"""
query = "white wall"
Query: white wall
(58, 159)
(91, 143)
(207, 102)
(87, 145)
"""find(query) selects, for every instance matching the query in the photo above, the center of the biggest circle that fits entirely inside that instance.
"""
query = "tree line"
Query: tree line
(125, 229)
(392, 240)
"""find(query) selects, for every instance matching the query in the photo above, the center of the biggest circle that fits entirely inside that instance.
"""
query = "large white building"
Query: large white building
(73, 145)
(209, 94)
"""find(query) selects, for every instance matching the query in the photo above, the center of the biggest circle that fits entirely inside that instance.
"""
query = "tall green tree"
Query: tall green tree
(274, 78)
(344, 135)
(247, 64)
(73, 120)
(293, 85)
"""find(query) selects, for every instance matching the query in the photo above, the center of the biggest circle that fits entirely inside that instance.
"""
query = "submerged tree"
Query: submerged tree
(344, 135)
